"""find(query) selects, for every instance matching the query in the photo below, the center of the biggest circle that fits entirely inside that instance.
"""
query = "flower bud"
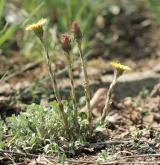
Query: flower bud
(75, 29)
(65, 40)
(55, 16)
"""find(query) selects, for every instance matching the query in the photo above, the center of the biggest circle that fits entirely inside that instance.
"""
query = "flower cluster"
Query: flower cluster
(65, 40)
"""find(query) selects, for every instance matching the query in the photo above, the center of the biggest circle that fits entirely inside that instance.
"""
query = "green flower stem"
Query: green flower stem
(73, 95)
(86, 83)
(55, 87)
(108, 99)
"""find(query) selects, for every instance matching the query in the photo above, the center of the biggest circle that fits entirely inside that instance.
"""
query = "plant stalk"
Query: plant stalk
(73, 93)
(86, 83)
(55, 87)
(108, 99)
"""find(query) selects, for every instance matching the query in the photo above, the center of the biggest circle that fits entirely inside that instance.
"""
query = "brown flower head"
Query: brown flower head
(75, 29)
(65, 40)
(55, 16)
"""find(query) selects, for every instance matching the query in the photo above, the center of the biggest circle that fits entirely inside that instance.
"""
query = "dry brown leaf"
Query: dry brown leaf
(97, 102)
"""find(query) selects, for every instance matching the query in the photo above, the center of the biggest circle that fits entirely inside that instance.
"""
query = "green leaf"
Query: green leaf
(4, 29)
(2, 3)
(82, 9)
(10, 31)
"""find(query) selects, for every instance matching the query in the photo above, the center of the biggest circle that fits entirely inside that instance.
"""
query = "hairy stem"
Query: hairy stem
(108, 99)
(86, 83)
(55, 87)
(73, 95)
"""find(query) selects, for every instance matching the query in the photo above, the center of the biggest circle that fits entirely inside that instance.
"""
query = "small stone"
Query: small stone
(157, 118)
(127, 102)
(100, 22)
(114, 119)
(157, 68)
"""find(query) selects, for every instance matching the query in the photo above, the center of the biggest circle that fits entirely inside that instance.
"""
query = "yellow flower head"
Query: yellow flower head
(119, 67)
(37, 26)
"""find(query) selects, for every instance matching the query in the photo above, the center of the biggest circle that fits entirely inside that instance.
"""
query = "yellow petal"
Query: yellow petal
(37, 26)
(119, 66)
